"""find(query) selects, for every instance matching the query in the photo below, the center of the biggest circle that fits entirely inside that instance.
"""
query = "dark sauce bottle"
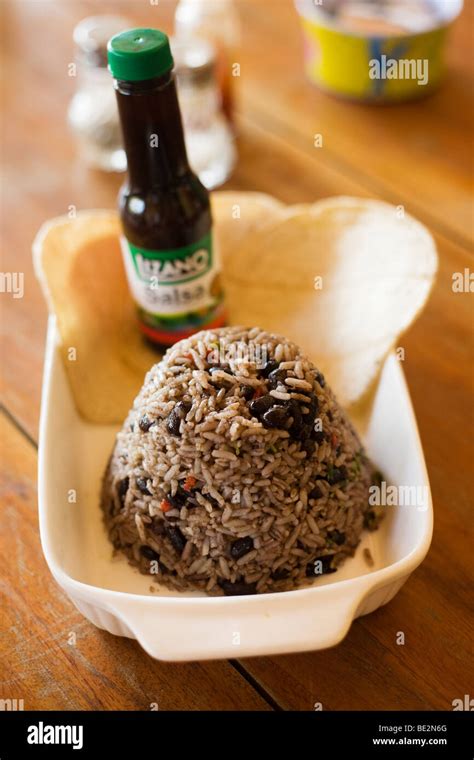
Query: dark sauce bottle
(167, 240)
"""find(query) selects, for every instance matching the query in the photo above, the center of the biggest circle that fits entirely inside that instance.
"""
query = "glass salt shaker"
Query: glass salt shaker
(92, 113)
(209, 138)
(217, 21)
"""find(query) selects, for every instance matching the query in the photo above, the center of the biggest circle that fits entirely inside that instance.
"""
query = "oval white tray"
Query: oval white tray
(170, 626)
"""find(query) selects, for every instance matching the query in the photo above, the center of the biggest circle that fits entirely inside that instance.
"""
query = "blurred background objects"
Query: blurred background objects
(92, 112)
(204, 47)
(217, 21)
(209, 138)
(376, 51)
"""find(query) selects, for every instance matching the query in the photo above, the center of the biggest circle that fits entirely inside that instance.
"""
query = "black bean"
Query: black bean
(276, 376)
(337, 537)
(142, 485)
(320, 379)
(176, 537)
(182, 498)
(241, 547)
(239, 588)
(260, 405)
(281, 574)
(311, 570)
(173, 423)
(178, 499)
(122, 489)
(212, 501)
(276, 417)
(175, 500)
(327, 564)
(176, 415)
(220, 381)
(297, 424)
(336, 475)
(315, 493)
(317, 436)
(144, 423)
(269, 367)
(149, 553)
(320, 566)
(247, 392)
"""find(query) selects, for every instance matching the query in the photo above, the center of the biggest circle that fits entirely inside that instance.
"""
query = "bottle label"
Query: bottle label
(177, 290)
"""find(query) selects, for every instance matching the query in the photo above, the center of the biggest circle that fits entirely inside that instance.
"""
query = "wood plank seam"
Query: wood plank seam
(17, 424)
(256, 685)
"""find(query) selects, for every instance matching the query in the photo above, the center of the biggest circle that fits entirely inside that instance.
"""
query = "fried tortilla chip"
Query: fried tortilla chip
(237, 215)
(79, 264)
(343, 278)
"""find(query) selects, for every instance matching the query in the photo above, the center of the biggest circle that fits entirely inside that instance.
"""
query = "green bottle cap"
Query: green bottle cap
(139, 54)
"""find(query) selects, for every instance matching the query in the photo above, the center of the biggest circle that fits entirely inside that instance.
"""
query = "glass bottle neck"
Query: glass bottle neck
(152, 132)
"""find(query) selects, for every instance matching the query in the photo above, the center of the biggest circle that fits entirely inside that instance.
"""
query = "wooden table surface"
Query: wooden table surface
(417, 155)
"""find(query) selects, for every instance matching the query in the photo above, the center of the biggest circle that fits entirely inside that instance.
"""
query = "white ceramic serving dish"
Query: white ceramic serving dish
(170, 626)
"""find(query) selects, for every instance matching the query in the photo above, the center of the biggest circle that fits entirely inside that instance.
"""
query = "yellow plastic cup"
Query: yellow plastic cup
(380, 56)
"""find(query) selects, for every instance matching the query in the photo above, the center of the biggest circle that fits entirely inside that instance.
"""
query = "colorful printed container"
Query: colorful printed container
(376, 52)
